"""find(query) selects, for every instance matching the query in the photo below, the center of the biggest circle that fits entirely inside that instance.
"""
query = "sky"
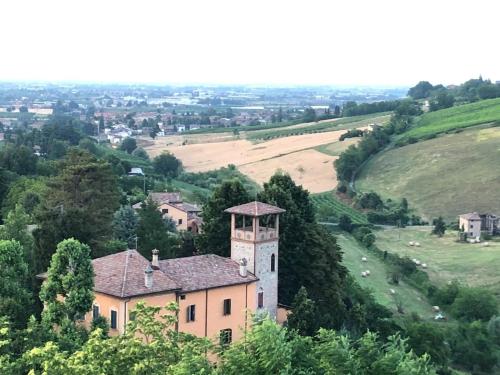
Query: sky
(271, 42)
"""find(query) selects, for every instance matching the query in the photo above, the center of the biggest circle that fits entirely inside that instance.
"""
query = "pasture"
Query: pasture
(449, 119)
(446, 176)
(408, 297)
(446, 259)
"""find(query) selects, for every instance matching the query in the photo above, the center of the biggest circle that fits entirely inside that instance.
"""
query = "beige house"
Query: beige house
(470, 224)
(185, 215)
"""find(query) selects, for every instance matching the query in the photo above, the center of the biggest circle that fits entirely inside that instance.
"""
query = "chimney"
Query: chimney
(148, 277)
(155, 264)
(243, 267)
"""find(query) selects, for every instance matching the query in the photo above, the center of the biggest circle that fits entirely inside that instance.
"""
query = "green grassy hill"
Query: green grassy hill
(411, 299)
(463, 116)
(446, 259)
(445, 176)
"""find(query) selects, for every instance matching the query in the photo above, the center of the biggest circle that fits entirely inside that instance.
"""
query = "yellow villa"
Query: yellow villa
(214, 293)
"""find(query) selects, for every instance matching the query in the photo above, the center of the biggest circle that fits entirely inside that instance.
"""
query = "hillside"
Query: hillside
(446, 176)
(459, 117)
(446, 259)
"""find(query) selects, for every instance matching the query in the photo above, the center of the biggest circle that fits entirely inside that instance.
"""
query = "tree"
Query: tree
(68, 291)
(16, 228)
(18, 159)
(421, 90)
(474, 304)
(345, 223)
(16, 300)
(140, 153)
(128, 145)
(80, 203)
(216, 227)
(125, 224)
(154, 232)
(441, 101)
(309, 255)
(303, 315)
(429, 338)
(439, 227)
(167, 165)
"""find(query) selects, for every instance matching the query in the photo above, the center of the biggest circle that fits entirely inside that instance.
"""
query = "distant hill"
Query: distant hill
(448, 175)
(432, 123)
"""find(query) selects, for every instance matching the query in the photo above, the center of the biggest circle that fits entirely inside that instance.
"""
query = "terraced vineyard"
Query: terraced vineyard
(330, 207)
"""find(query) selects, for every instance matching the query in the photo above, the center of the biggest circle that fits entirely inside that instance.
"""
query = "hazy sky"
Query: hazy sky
(370, 42)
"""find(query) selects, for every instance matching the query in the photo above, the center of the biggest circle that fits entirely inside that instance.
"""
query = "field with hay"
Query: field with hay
(408, 297)
(446, 259)
(446, 176)
(308, 157)
(462, 116)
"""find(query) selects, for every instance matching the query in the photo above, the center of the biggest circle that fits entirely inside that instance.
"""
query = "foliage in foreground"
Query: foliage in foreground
(152, 346)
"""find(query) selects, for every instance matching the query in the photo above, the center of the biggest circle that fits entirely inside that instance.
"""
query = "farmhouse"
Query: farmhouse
(473, 223)
(215, 294)
(185, 215)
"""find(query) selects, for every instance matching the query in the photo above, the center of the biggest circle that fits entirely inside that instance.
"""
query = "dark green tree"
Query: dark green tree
(474, 304)
(80, 204)
(216, 229)
(439, 227)
(140, 153)
(125, 222)
(71, 277)
(16, 299)
(303, 315)
(167, 165)
(128, 145)
(421, 90)
(345, 223)
(154, 232)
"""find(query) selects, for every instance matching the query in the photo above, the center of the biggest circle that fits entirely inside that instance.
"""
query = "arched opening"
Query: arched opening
(273, 263)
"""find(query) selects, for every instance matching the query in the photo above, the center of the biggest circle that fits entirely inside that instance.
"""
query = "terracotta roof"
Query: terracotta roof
(204, 271)
(255, 209)
(122, 275)
(187, 207)
(471, 216)
(160, 198)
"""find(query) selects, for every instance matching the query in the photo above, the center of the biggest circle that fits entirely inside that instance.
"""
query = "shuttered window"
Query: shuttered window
(191, 313)
(227, 307)
(113, 319)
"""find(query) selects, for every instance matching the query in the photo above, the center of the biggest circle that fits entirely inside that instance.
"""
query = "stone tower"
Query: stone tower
(254, 237)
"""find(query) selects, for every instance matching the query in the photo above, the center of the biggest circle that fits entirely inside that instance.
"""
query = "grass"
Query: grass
(446, 259)
(411, 299)
(463, 116)
(339, 124)
(329, 207)
(446, 176)
(336, 148)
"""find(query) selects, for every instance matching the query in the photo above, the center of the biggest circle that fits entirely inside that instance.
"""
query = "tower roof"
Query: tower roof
(255, 209)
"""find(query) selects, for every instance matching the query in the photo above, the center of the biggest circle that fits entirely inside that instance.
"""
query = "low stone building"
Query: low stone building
(472, 224)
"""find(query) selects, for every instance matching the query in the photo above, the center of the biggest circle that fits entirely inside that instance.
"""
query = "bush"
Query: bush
(474, 304)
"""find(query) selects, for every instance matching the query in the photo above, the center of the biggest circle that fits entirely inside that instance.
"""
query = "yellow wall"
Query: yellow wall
(175, 214)
(209, 319)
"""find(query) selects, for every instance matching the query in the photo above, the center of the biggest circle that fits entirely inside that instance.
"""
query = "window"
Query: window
(113, 319)
(472, 226)
(260, 300)
(183, 296)
(273, 263)
(95, 312)
(226, 336)
(191, 313)
(180, 221)
(227, 307)
(164, 210)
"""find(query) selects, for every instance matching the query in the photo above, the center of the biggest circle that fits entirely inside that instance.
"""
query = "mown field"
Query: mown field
(410, 299)
(329, 207)
(446, 176)
(463, 116)
(447, 259)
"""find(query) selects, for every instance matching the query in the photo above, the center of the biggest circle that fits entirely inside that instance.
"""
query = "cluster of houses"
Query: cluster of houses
(473, 224)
